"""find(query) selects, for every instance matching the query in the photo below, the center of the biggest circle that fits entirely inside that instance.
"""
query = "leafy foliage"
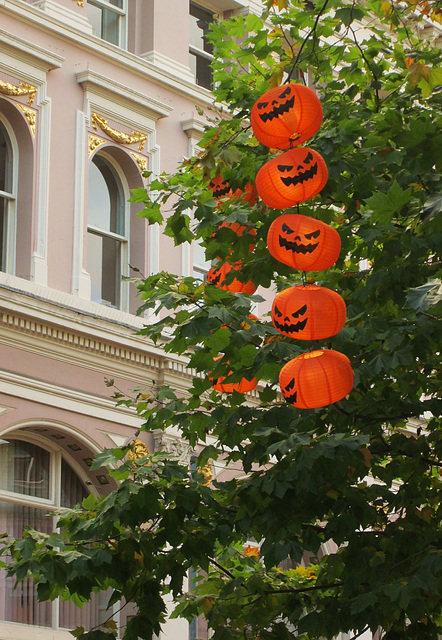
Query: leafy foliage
(354, 475)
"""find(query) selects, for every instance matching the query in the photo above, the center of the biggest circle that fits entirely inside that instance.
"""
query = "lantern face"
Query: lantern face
(303, 243)
(217, 275)
(220, 187)
(316, 379)
(286, 116)
(308, 313)
(243, 386)
(291, 178)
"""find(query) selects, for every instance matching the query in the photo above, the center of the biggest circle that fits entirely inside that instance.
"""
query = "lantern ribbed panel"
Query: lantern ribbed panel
(316, 379)
(291, 178)
(286, 116)
(243, 386)
(217, 276)
(308, 312)
(303, 243)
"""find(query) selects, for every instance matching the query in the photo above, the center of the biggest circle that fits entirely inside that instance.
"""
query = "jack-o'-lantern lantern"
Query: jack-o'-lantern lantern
(217, 276)
(286, 116)
(303, 243)
(316, 379)
(220, 187)
(238, 229)
(308, 312)
(243, 386)
(292, 177)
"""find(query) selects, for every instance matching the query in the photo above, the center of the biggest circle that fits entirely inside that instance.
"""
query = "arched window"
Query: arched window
(33, 482)
(7, 203)
(107, 243)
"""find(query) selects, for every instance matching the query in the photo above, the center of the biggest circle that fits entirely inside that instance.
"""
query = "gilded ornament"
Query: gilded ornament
(30, 116)
(137, 449)
(207, 472)
(80, 3)
(118, 136)
(140, 160)
(94, 142)
(23, 89)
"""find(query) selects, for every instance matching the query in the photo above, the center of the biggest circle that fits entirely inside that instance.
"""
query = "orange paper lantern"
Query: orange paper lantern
(316, 379)
(308, 312)
(217, 276)
(243, 386)
(286, 116)
(292, 177)
(303, 243)
(220, 187)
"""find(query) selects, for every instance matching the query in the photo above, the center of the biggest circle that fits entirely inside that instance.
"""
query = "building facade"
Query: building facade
(92, 94)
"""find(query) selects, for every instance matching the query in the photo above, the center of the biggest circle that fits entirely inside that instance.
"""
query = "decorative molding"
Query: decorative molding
(119, 94)
(194, 129)
(177, 448)
(23, 89)
(170, 66)
(31, 117)
(207, 472)
(23, 51)
(118, 136)
(62, 14)
(140, 160)
(137, 449)
(94, 143)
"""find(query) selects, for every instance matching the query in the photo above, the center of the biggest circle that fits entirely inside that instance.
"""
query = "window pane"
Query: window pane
(94, 17)
(105, 203)
(103, 265)
(24, 468)
(200, 20)
(202, 70)
(72, 488)
(110, 29)
(105, 22)
(21, 604)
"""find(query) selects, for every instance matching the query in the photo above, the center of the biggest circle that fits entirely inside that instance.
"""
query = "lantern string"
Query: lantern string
(304, 278)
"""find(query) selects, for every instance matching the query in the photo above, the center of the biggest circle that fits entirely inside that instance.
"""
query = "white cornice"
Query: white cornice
(101, 85)
(27, 51)
(117, 56)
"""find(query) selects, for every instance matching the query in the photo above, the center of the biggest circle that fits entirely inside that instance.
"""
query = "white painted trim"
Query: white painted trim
(27, 60)
(81, 281)
(169, 66)
(101, 86)
(39, 261)
(69, 17)
(67, 399)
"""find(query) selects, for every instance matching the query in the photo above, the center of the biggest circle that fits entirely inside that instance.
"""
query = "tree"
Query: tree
(351, 472)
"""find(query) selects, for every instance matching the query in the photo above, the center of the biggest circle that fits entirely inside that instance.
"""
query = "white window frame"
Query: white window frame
(196, 51)
(10, 239)
(124, 239)
(122, 19)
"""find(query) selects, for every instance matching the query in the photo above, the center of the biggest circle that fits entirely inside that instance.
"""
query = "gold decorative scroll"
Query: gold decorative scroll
(118, 136)
(80, 3)
(137, 449)
(140, 160)
(94, 142)
(30, 116)
(23, 89)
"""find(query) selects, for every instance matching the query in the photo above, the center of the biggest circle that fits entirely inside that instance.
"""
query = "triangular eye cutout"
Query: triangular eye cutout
(308, 158)
(287, 229)
(313, 234)
(300, 311)
(290, 385)
(277, 312)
